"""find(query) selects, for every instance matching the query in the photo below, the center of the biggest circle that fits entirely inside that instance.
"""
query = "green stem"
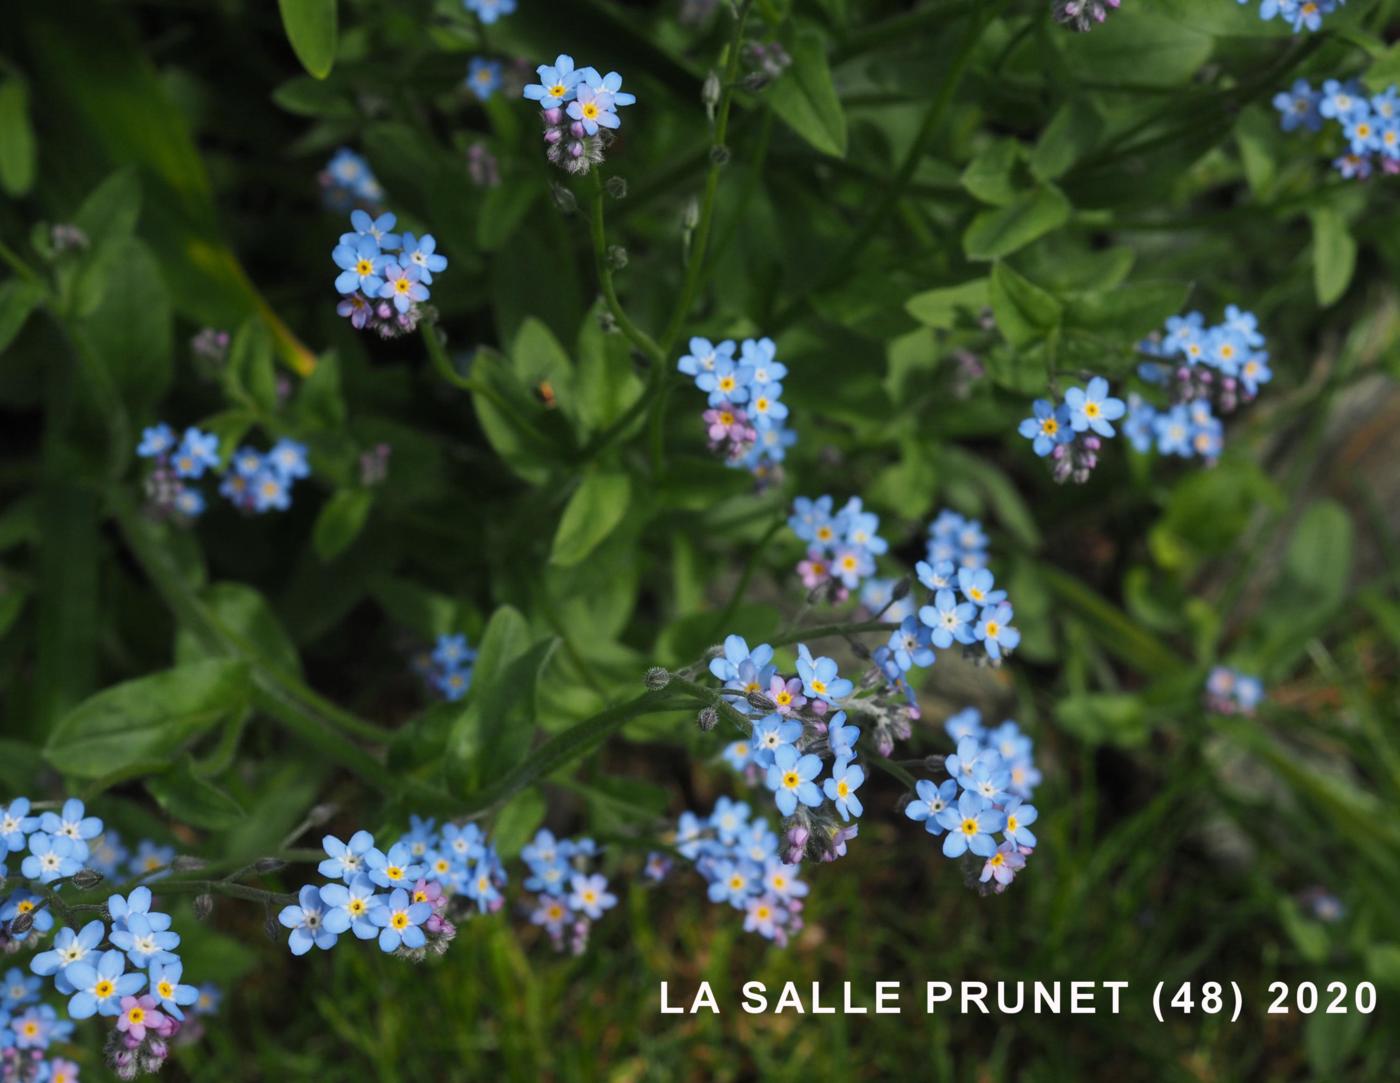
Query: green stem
(635, 334)
(21, 268)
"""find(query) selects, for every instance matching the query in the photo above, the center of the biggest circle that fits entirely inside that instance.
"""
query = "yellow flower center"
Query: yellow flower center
(1011, 822)
(165, 990)
(842, 789)
(558, 90)
(356, 907)
(818, 685)
(136, 1016)
(393, 872)
(399, 920)
(969, 827)
(726, 418)
(783, 698)
(997, 859)
(102, 990)
(364, 267)
(1049, 426)
(791, 780)
(402, 285)
(761, 405)
(992, 629)
(1091, 409)
(590, 111)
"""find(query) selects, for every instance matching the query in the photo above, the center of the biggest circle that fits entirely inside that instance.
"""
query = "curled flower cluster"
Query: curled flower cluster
(1082, 15)
(384, 277)
(569, 898)
(737, 855)
(1206, 371)
(1368, 124)
(579, 111)
(128, 972)
(1299, 14)
(1228, 691)
(448, 668)
(347, 182)
(1070, 434)
(747, 420)
(404, 899)
(841, 546)
(990, 777)
(254, 482)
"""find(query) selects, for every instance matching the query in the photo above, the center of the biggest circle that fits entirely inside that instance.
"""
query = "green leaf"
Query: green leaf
(145, 721)
(1023, 311)
(1003, 230)
(17, 151)
(1140, 48)
(517, 822)
(988, 176)
(131, 326)
(250, 375)
(340, 522)
(804, 97)
(492, 733)
(1334, 255)
(502, 211)
(18, 299)
(307, 97)
(592, 513)
(111, 210)
(244, 612)
(194, 800)
(311, 28)
(1071, 134)
(940, 307)
(1319, 556)
(1104, 717)
(607, 381)
(1383, 964)
(1126, 312)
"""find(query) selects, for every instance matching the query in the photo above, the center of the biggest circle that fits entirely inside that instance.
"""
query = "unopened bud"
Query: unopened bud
(690, 217)
(617, 187)
(203, 907)
(657, 678)
(719, 155)
(710, 93)
(187, 863)
(271, 928)
(564, 199)
(761, 702)
(934, 763)
(86, 879)
(901, 589)
(707, 719)
(323, 812)
(264, 865)
(22, 923)
(617, 257)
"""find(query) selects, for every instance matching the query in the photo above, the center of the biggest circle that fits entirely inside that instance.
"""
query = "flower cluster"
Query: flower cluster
(128, 972)
(990, 777)
(737, 854)
(1228, 691)
(488, 11)
(841, 545)
(1299, 14)
(347, 182)
(448, 668)
(384, 276)
(1070, 434)
(1369, 124)
(254, 482)
(578, 108)
(958, 540)
(1082, 15)
(746, 419)
(1206, 371)
(404, 898)
(569, 897)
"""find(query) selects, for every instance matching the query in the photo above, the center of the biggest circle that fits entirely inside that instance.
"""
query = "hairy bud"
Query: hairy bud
(21, 924)
(617, 257)
(710, 93)
(657, 678)
(86, 879)
(322, 813)
(934, 763)
(707, 719)
(187, 863)
(761, 702)
(616, 187)
(901, 589)
(203, 907)
(564, 199)
(719, 155)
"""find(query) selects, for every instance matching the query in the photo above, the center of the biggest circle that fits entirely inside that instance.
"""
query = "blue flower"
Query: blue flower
(72, 823)
(556, 86)
(910, 645)
(361, 264)
(136, 904)
(156, 441)
(990, 778)
(198, 451)
(18, 989)
(1139, 428)
(966, 723)
(590, 895)
(704, 355)
(728, 382)
(16, 824)
(1362, 133)
(403, 286)
(189, 503)
(949, 620)
(841, 788)
(735, 881)
(771, 734)
(164, 985)
(851, 564)
(963, 764)
(271, 492)
(1019, 817)
(488, 11)
(760, 355)
(1093, 408)
(246, 462)
(593, 109)
(484, 77)
(729, 819)
(27, 903)
(287, 458)
(811, 519)
(860, 530)
(307, 920)
(422, 253)
(820, 679)
(453, 683)
(375, 229)
(1341, 101)
(143, 942)
(349, 906)
(400, 920)
(936, 577)
(931, 800)
(790, 778)
(50, 857)
(346, 861)
(994, 630)
(607, 89)
(69, 948)
(970, 826)
(739, 754)
(1298, 106)
(1048, 427)
(99, 989)
(765, 409)
(1174, 431)
(394, 869)
(977, 587)
(742, 669)
(840, 737)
